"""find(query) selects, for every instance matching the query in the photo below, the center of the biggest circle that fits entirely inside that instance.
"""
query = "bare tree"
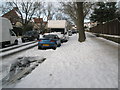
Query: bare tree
(59, 16)
(49, 11)
(38, 13)
(5, 7)
(70, 8)
(119, 7)
(25, 10)
(77, 11)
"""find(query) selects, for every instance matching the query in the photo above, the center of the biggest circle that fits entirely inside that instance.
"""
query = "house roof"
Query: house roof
(11, 13)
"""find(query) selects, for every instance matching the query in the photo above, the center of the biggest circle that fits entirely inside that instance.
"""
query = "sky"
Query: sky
(53, 1)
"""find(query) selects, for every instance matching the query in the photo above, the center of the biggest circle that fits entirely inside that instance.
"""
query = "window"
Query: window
(12, 33)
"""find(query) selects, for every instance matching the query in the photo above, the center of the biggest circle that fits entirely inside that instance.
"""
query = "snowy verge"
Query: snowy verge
(17, 50)
(113, 38)
(16, 46)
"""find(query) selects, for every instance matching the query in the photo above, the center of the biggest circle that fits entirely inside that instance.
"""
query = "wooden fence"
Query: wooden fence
(110, 28)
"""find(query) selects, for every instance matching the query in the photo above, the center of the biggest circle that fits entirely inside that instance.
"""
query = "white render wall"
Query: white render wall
(57, 24)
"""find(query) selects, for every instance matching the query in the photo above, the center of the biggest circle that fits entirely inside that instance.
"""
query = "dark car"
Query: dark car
(30, 36)
(49, 41)
(74, 31)
(70, 33)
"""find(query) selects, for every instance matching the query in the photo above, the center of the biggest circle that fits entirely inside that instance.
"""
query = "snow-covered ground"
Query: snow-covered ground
(91, 64)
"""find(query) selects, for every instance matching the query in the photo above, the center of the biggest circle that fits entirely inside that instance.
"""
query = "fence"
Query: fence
(110, 28)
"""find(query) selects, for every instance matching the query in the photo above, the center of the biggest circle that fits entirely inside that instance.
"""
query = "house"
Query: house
(13, 16)
(90, 24)
(38, 20)
(45, 24)
(39, 24)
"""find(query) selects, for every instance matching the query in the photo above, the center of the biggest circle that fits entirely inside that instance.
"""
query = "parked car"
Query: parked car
(30, 36)
(63, 37)
(74, 31)
(70, 33)
(49, 41)
(8, 37)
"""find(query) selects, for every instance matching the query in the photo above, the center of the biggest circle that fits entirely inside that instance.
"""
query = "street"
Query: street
(59, 44)
(91, 64)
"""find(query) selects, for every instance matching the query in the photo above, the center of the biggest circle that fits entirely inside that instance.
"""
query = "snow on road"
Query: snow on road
(91, 64)
(6, 62)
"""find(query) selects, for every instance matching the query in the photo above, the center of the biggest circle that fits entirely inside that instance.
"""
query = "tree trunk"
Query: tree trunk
(80, 23)
(24, 28)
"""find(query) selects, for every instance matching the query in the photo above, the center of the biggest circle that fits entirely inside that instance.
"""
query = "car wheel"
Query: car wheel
(54, 48)
(37, 38)
(59, 45)
(39, 47)
(61, 41)
(66, 40)
(23, 41)
(16, 42)
(3, 45)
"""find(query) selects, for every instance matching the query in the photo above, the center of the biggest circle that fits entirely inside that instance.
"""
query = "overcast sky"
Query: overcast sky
(55, 3)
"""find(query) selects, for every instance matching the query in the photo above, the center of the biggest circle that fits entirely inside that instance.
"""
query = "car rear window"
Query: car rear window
(50, 36)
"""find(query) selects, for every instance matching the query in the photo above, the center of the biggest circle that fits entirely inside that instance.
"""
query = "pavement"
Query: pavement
(91, 64)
